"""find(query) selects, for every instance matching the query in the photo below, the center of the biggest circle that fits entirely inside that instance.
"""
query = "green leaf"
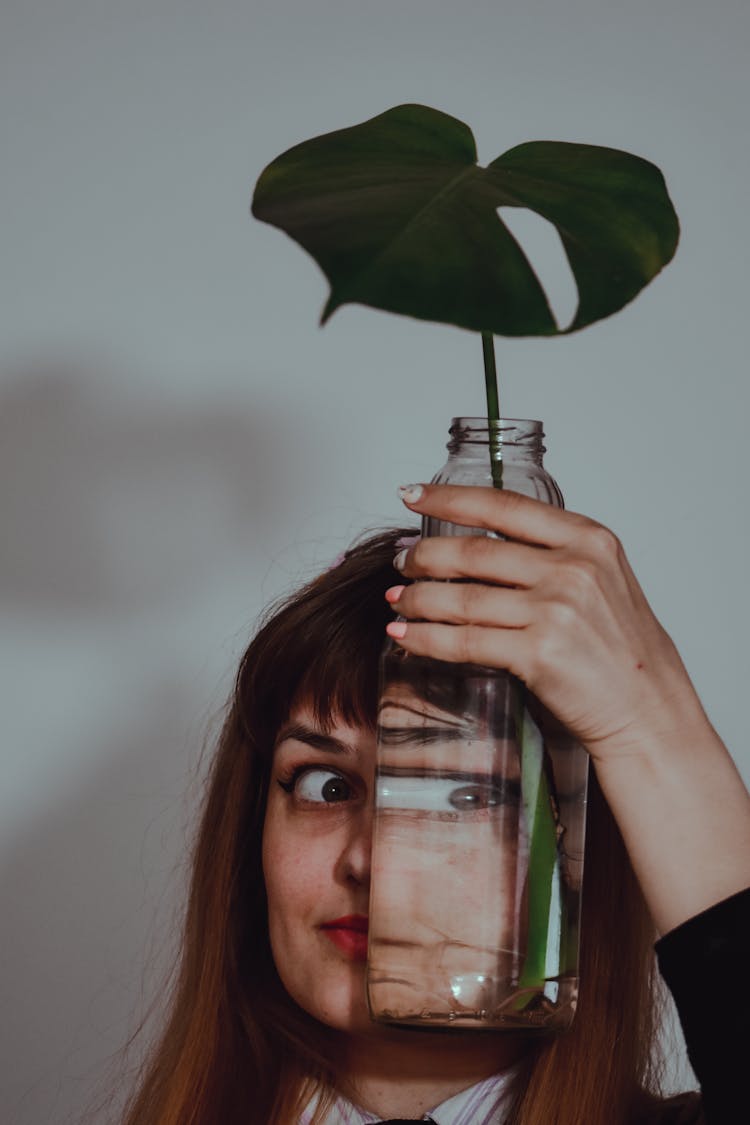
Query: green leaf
(400, 217)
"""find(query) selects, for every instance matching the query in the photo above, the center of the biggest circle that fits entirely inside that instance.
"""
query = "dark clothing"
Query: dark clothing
(705, 964)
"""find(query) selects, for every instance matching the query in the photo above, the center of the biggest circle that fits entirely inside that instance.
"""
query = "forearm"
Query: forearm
(684, 814)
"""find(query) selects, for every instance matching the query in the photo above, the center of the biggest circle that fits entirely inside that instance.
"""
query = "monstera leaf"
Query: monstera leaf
(399, 216)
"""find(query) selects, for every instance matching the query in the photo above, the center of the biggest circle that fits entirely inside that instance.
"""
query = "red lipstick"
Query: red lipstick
(348, 934)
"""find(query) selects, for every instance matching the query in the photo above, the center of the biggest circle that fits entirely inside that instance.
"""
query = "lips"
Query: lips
(349, 935)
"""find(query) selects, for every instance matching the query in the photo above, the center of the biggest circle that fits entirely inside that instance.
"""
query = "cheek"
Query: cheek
(448, 879)
(295, 873)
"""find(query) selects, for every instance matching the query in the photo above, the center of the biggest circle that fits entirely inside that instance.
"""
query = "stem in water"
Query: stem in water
(540, 821)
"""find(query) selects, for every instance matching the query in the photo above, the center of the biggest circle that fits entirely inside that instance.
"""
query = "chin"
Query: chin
(339, 1004)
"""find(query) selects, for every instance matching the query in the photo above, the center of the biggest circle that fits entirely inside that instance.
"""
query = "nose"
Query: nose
(354, 861)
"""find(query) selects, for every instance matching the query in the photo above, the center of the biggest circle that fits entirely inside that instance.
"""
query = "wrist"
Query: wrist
(667, 718)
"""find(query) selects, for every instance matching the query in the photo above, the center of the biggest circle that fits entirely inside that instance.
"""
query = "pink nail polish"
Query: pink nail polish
(393, 593)
(396, 629)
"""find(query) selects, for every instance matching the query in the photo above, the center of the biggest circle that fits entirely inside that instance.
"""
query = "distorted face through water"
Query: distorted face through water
(447, 866)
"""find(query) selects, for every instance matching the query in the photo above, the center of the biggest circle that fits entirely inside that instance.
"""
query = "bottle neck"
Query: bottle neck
(509, 439)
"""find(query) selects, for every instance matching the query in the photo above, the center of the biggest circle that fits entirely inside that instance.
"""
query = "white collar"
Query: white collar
(478, 1105)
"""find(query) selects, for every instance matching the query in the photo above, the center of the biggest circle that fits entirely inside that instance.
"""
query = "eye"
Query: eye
(476, 797)
(445, 794)
(321, 786)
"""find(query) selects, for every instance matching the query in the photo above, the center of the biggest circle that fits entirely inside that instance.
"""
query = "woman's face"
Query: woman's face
(445, 897)
(316, 865)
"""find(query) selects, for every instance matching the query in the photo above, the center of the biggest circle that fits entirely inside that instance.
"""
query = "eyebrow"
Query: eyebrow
(313, 737)
(444, 721)
(397, 736)
(452, 729)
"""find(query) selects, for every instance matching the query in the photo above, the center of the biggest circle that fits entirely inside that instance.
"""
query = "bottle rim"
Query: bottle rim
(528, 432)
(532, 425)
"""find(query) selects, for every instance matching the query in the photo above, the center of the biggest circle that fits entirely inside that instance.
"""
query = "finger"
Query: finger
(461, 604)
(464, 644)
(496, 509)
(478, 557)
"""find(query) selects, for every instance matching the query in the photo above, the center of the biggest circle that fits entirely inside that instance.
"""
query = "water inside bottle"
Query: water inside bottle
(477, 852)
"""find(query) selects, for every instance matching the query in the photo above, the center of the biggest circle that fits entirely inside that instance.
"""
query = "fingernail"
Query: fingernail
(396, 629)
(393, 593)
(400, 559)
(411, 493)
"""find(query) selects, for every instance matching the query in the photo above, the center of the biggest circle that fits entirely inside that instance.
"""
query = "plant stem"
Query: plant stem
(533, 754)
(493, 409)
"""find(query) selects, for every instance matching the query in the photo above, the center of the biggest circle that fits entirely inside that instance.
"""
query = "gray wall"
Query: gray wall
(179, 442)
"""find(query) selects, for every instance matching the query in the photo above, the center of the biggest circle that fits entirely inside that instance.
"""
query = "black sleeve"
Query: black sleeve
(706, 964)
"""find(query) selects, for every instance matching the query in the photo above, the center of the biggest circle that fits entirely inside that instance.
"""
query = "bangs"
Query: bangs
(322, 646)
(338, 679)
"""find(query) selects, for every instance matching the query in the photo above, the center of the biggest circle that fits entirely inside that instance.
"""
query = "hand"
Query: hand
(556, 604)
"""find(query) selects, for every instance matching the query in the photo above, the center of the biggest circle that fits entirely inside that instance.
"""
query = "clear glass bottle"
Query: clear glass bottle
(479, 814)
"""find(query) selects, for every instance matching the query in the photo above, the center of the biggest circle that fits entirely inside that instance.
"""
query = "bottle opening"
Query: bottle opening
(520, 434)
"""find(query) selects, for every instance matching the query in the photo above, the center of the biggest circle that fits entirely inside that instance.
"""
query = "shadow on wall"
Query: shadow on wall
(120, 520)
(107, 505)
(93, 895)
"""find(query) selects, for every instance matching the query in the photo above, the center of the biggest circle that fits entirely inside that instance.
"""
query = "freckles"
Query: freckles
(300, 871)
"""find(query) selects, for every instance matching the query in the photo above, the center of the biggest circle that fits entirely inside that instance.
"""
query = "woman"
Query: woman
(268, 1022)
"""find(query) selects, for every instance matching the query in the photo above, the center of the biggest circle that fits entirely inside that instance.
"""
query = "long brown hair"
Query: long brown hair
(235, 1048)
